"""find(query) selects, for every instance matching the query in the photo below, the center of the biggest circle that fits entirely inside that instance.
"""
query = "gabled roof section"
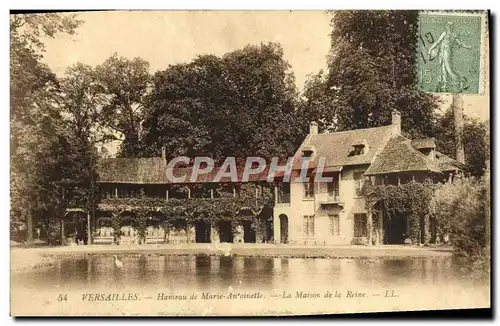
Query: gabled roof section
(335, 147)
(424, 143)
(400, 156)
(149, 170)
(446, 163)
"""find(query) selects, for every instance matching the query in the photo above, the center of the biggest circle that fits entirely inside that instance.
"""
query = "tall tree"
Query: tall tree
(126, 83)
(317, 103)
(265, 102)
(371, 72)
(239, 105)
(82, 98)
(36, 129)
(475, 138)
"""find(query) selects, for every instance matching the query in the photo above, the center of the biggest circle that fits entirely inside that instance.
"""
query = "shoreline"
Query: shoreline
(27, 259)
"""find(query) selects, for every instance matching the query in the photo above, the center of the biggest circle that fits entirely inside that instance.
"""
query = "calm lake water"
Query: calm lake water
(415, 280)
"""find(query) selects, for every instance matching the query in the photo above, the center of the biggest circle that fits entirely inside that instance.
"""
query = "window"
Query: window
(284, 193)
(334, 224)
(333, 188)
(309, 189)
(308, 227)
(392, 179)
(360, 226)
(358, 178)
(307, 153)
(357, 150)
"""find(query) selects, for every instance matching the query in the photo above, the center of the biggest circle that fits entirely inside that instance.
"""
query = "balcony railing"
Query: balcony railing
(283, 199)
(328, 198)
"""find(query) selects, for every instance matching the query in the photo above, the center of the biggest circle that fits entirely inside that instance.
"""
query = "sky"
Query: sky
(165, 38)
(170, 37)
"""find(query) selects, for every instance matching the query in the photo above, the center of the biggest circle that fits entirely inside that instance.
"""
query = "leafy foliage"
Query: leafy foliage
(370, 73)
(38, 137)
(143, 211)
(125, 84)
(475, 139)
(318, 104)
(242, 104)
(462, 208)
(27, 30)
(411, 200)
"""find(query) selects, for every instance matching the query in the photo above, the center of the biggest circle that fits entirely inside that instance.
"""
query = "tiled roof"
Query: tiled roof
(153, 170)
(424, 143)
(446, 163)
(132, 170)
(400, 156)
(335, 147)
(384, 151)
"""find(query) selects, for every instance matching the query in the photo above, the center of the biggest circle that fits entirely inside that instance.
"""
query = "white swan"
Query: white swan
(118, 262)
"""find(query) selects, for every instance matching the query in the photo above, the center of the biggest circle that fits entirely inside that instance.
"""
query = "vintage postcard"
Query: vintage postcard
(249, 163)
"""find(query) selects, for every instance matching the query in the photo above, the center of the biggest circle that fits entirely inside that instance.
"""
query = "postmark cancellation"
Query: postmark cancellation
(450, 56)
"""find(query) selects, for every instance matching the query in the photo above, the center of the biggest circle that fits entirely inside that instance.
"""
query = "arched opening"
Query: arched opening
(103, 228)
(266, 228)
(249, 235)
(178, 232)
(225, 231)
(75, 227)
(128, 233)
(154, 230)
(395, 228)
(283, 228)
(202, 232)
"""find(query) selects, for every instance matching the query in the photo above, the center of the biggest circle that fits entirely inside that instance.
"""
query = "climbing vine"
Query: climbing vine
(411, 200)
(165, 212)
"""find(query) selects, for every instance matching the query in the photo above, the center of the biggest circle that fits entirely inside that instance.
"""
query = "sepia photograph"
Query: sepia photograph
(249, 163)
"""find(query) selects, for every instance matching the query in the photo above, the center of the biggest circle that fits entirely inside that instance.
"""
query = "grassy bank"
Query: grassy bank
(24, 259)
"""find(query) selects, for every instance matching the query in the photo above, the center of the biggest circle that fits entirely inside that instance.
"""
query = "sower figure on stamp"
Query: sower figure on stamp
(444, 47)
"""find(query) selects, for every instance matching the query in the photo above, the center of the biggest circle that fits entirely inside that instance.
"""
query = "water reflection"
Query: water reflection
(202, 272)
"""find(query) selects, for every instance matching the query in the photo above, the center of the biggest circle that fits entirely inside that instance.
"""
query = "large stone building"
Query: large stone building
(335, 212)
(138, 204)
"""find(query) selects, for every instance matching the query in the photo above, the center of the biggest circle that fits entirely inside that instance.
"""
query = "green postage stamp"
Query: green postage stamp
(450, 52)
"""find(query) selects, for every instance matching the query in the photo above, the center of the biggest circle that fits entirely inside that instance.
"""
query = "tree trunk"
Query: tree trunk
(29, 235)
(457, 105)
(427, 229)
(63, 236)
(89, 232)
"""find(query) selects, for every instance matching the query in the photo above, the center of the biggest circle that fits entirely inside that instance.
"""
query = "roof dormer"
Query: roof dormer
(359, 147)
(308, 151)
(426, 146)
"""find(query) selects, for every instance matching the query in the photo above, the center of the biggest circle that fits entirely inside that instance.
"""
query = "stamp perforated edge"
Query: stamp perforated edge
(483, 14)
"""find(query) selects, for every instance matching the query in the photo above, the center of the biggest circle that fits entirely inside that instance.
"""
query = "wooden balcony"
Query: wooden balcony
(283, 199)
(326, 198)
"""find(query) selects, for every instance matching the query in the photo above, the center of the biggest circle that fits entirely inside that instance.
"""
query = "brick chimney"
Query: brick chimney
(313, 128)
(164, 153)
(396, 121)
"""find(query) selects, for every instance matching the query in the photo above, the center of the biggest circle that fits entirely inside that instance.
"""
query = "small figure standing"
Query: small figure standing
(444, 47)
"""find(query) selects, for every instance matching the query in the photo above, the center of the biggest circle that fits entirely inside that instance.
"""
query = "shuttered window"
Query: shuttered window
(309, 189)
(308, 226)
(334, 228)
(360, 225)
